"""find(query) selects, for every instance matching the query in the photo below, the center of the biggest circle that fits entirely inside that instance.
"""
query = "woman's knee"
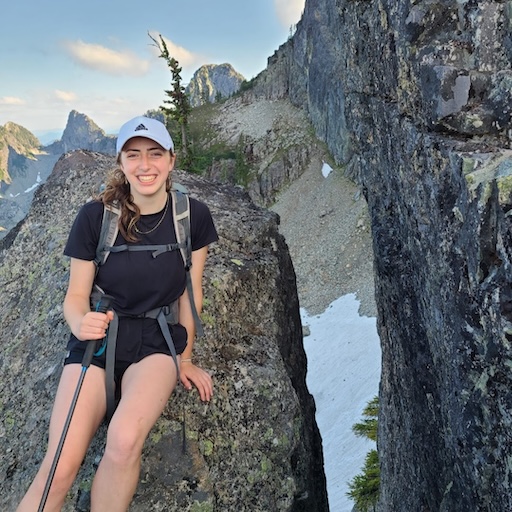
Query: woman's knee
(124, 444)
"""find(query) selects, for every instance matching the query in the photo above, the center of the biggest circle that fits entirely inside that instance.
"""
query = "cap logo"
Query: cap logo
(140, 127)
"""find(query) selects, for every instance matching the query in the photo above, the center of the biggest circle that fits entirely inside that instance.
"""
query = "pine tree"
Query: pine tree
(177, 105)
(364, 488)
(368, 427)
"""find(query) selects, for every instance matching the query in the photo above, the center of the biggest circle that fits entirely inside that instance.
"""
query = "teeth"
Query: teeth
(147, 179)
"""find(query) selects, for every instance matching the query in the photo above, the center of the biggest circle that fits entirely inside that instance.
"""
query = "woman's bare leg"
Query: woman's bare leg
(146, 387)
(89, 412)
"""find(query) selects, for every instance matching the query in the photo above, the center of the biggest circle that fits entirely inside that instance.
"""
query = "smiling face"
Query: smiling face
(146, 166)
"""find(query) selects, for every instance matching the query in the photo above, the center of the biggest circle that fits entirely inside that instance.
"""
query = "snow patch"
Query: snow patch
(326, 169)
(344, 363)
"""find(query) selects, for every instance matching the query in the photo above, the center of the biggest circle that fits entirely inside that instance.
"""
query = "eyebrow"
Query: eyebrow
(158, 148)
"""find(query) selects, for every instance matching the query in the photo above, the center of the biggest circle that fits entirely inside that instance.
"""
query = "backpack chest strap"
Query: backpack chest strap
(171, 313)
(157, 249)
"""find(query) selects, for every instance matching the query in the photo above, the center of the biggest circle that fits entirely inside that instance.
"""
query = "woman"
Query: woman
(145, 372)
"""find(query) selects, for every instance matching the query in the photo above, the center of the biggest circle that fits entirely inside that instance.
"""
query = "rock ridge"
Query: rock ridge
(256, 446)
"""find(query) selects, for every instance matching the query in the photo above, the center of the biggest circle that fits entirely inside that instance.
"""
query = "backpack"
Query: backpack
(165, 315)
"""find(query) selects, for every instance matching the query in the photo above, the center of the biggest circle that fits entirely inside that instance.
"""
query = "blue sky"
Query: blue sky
(95, 56)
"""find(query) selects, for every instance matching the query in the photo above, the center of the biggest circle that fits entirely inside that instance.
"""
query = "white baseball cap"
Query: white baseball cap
(144, 127)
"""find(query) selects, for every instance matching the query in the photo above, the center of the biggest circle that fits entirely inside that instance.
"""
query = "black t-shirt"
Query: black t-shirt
(138, 281)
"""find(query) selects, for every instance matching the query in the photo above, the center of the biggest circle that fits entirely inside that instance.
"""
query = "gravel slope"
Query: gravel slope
(326, 226)
(324, 220)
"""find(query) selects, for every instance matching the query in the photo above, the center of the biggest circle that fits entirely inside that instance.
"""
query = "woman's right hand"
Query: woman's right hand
(94, 325)
(84, 324)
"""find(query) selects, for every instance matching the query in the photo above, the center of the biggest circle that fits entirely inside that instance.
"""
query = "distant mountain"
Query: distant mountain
(213, 81)
(25, 163)
(81, 132)
(47, 137)
(15, 141)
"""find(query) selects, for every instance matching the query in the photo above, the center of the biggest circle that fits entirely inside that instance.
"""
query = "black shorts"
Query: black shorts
(76, 355)
(137, 338)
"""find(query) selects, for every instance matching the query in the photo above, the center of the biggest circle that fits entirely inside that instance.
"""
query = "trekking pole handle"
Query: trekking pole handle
(102, 306)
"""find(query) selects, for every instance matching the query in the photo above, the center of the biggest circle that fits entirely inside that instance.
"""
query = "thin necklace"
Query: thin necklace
(157, 224)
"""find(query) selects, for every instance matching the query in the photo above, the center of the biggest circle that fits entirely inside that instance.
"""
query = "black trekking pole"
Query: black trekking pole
(102, 306)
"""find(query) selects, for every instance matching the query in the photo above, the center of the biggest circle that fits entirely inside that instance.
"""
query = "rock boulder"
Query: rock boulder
(255, 446)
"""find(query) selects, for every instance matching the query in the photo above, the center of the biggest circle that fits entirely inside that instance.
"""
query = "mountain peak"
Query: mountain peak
(80, 128)
(212, 81)
(19, 138)
(21, 141)
(82, 132)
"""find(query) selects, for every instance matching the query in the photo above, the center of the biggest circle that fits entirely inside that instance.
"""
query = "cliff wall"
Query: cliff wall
(414, 97)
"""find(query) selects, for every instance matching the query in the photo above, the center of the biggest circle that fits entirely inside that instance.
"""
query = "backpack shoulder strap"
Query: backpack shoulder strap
(108, 233)
(181, 219)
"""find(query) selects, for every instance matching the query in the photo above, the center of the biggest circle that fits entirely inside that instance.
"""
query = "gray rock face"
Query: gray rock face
(213, 81)
(23, 166)
(276, 141)
(415, 98)
(27, 174)
(255, 447)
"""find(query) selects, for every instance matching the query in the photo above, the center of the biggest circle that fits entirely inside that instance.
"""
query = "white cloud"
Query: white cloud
(97, 57)
(65, 96)
(11, 100)
(289, 11)
(186, 58)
